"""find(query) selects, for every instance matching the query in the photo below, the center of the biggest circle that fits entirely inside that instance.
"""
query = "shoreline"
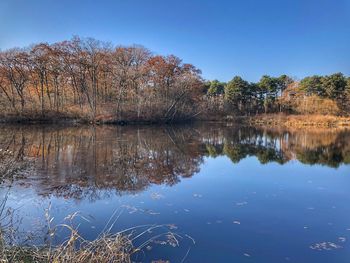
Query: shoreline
(270, 120)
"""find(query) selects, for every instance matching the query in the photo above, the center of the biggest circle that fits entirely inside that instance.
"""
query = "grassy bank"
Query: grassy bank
(109, 248)
(298, 120)
(112, 249)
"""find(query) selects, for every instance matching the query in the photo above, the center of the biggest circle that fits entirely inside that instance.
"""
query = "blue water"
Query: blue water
(233, 205)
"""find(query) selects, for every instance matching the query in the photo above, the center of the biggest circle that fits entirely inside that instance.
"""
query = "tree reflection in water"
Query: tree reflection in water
(90, 161)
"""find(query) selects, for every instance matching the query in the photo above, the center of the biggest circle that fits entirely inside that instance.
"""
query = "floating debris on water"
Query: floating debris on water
(153, 213)
(172, 226)
(149, 211)
(325, 246)
(131, 209)
(241, 203)
(342, 239)
(170, 240)
(156, 196)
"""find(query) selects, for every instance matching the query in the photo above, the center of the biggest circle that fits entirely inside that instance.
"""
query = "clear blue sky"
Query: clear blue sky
(222, 38)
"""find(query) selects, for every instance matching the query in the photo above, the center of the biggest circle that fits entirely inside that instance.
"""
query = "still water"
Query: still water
(229, 193)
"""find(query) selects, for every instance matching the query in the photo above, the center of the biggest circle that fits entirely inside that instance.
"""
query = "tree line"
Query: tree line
(311, 95)
(84, 78)
(87, 77)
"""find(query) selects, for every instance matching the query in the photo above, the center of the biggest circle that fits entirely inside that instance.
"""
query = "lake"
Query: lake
(227, 193)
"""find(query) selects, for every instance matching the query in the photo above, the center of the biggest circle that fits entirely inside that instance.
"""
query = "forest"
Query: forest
(89, 80)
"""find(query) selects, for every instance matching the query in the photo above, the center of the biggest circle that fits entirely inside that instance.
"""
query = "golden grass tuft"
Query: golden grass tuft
(113, 248)
(300, 121)
(116, 248)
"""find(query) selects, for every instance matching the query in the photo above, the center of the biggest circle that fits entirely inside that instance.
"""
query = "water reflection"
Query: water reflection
(85, 161)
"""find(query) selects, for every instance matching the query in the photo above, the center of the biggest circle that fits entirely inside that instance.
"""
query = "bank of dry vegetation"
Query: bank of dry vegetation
(301, 121)
(113, 248)
(107, 247)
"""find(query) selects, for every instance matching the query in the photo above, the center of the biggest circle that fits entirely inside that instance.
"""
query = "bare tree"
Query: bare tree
(129, 83)
(15, 66)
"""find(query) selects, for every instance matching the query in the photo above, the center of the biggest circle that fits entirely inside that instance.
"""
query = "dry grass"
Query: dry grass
(118, 247)
(300, 121)
(113, 248)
